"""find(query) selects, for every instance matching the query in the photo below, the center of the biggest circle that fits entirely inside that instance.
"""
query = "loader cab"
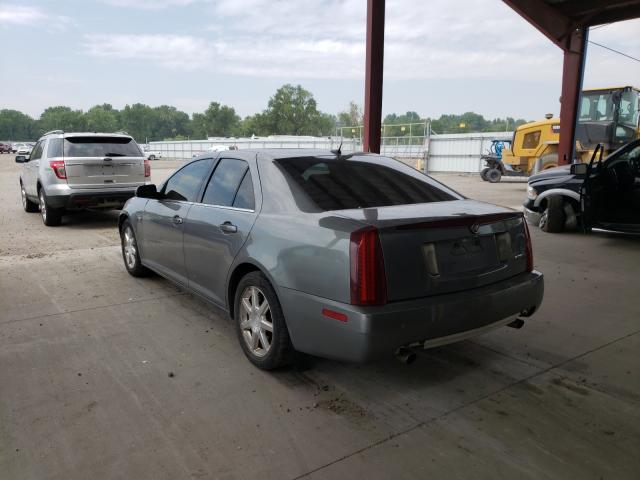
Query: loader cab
(609, 116)
(610, 194)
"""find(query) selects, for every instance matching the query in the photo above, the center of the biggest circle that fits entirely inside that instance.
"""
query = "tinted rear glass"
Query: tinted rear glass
(344, 184)
(101, 147)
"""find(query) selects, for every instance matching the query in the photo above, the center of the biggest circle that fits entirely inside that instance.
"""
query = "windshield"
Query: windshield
(629, 108)
(596, 107)
(100, 147)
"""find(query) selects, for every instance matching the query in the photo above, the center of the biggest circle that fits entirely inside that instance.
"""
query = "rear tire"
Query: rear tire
(493, 175)
(483, 173)
(260, 324)
(27, 205)
(152, 157)
(553, 217)
(130, 251)
(51, 217)
(550, 160)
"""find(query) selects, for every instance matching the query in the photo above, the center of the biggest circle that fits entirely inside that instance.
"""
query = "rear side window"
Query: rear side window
(185, 183)
(54, 149)
(339, 184)
(101, 147)
(224, 183)
(244, 197)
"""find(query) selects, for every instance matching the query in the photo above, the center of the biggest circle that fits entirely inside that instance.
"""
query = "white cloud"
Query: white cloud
(26, 16)
(149, 4)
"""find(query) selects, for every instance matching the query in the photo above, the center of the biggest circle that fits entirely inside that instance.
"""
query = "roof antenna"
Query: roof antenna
(338, 152)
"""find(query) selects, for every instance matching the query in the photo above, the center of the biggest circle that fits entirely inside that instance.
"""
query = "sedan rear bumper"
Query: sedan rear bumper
(374, 332)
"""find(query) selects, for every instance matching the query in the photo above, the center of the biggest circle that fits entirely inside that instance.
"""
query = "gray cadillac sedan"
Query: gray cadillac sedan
(350, 257)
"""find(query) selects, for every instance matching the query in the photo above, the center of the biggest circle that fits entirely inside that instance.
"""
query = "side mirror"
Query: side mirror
(579, 168)
(147, 191)
(21, 159)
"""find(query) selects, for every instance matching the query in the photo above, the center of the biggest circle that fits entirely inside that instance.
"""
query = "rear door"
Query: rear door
(217, 227)
(164, 218)
(103, 162)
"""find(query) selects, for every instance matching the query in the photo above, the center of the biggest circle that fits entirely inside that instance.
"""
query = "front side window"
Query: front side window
(225, 181)
(36, 154)
(185, 183)
(531, 139)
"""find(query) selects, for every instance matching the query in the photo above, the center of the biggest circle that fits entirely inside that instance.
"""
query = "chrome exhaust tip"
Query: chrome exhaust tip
(406, 355)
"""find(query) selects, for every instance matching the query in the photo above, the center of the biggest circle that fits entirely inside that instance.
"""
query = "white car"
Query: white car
(22, 148)
(221, 148)
(150, 154)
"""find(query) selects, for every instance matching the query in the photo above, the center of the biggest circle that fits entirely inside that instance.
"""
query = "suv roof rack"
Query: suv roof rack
(52, 132)
(122, 132)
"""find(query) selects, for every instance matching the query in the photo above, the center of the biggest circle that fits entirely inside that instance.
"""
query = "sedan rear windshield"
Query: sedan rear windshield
(340, 184)
(94, 147)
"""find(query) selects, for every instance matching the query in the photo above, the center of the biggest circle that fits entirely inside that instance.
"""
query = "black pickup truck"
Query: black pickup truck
(602, 194)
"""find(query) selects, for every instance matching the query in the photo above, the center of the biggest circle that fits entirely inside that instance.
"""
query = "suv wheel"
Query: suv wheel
(27, 204)
(52, 217)
(130, 252)
(260, 324)
(553, 216)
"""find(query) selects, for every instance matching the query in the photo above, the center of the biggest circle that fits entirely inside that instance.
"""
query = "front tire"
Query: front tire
(553, 216)
(130, 251)
(27, 205)
(493, 175)
(51, 217)
(483, 173)
(260, 324)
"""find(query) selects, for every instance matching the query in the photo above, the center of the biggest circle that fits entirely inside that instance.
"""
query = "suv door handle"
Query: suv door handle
(228, 227)
(177, 220)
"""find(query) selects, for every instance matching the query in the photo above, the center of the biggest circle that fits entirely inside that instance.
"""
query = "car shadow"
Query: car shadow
(91, 219)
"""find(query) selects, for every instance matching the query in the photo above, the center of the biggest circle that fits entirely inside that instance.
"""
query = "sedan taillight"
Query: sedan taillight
(59, 168)
(368, 279)
(147, 168)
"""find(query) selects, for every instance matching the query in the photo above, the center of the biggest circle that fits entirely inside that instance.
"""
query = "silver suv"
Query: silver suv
(72, 171)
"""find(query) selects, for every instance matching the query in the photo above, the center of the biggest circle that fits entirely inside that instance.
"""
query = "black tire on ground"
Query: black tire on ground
(130, 251)
(280, 351)
(553, 217)
(27, 205)
(483, 173)
(493, 175)
(152, 157)
(51, 217)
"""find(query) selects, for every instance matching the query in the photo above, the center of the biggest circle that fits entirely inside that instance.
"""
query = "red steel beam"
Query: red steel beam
(572, 74)
(373, 75)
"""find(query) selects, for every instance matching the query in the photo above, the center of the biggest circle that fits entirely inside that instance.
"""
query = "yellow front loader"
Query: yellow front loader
(607, 115)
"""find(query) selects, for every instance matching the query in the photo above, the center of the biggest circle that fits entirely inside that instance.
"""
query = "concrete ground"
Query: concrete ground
(103, 375)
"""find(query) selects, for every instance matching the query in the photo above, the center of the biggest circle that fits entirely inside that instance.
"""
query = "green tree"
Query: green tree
(293, 111)
(15, 125)
(101, 118)
(169, 122)
(62, 118)
(137, 120)
(216, 121)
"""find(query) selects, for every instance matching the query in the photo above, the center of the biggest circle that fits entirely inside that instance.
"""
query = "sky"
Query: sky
(440, 56)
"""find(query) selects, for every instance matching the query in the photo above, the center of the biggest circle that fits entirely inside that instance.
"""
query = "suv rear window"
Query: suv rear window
(340, 184)
(101, 147)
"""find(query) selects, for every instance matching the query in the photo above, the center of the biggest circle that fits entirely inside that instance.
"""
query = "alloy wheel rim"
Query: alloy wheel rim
(130, 248)
(24, 197)
(256, 322)
(543, 220)
(43, 206)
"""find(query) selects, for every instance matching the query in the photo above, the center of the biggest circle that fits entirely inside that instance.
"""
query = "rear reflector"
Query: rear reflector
(341, 317)
(529, 247)
(368, 280)
(58, 168)
(147, 168)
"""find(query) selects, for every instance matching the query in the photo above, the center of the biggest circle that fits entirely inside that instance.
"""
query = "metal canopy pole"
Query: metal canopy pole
(575, 53)
(373, 75)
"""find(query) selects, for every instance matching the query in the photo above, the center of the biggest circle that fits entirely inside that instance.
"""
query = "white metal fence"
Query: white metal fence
(443, 153)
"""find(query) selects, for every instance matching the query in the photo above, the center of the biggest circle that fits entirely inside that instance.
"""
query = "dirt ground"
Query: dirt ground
(106, 376)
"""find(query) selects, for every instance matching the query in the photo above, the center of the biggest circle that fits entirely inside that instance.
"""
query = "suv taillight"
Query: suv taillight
(529, 248)
(368, 279)
(147, 168)
(58, 168)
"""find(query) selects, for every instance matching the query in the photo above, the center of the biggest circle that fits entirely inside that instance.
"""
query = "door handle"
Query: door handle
(228, 227)
(177, 220)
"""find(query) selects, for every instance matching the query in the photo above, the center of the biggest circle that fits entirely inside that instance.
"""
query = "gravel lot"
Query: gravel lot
(106, 376)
